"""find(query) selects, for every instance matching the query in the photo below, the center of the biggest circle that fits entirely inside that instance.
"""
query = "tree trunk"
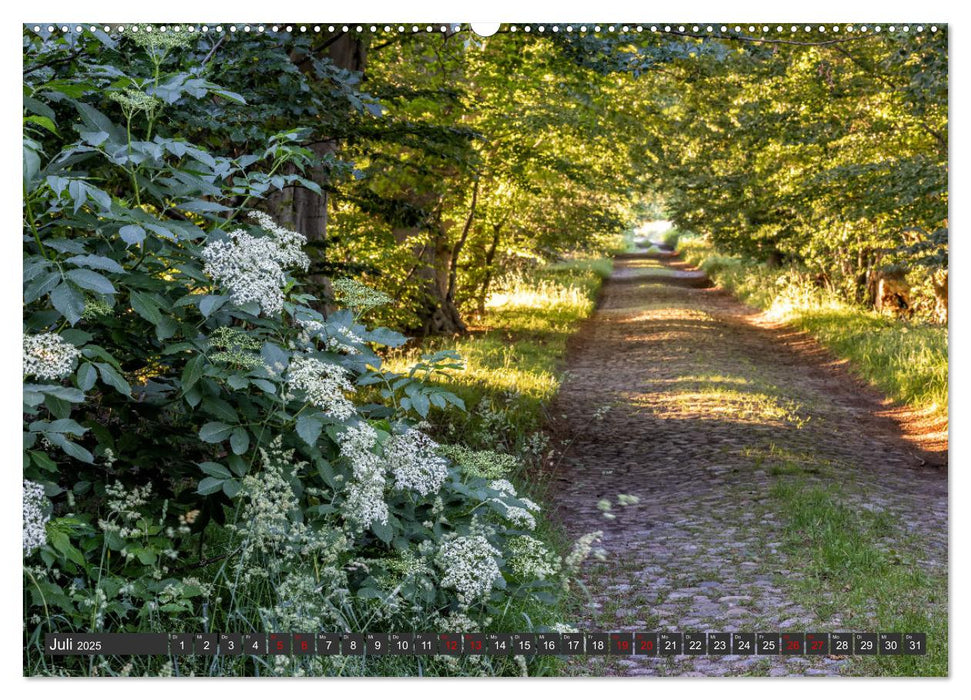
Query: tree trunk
(490, 257)
(303, 210)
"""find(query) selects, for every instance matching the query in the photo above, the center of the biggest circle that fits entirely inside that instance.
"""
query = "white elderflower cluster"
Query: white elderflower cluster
(413, 459)
(324, 384)
(353, 294)
(529, 559)
(503, 486)
(48, 356)
(519, 517)
(253, 268)
(458, 623)
(365, 502)
(35, 517)
(469, 566)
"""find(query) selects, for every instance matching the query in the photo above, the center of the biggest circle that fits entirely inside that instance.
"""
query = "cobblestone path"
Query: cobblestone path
(683, 397)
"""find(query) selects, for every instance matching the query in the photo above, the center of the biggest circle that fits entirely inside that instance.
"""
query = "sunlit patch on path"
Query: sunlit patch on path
(681, 397)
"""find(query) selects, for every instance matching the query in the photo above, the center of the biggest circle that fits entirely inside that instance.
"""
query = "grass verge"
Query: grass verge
(857, 563)
(908, 361)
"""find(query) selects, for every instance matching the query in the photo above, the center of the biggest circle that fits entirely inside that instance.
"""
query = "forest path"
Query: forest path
(683, 397)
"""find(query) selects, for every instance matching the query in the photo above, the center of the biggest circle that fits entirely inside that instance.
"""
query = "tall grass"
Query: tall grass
(906, 360)
(512, 361)
(849, 566)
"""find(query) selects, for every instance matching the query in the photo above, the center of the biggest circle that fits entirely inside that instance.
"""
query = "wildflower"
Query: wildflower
(603, 504)
(485, 464)
(324, 384)
(355, 295)
(519, 516)
(503, 486)
(95, 308)
(253, 268)
(468, 565)
(158, 41)
(48, 356)
(529, 559)
(458, 623)
(413, 461)
(133, 101)
(627, 500)
(36, 508)
(521, 664)
(365, 502)
(336, 342)
(581, 550)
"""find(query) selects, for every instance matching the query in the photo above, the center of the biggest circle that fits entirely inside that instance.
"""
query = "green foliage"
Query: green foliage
(843, 551)
(187, 408)
(833, 157)
(906, 360)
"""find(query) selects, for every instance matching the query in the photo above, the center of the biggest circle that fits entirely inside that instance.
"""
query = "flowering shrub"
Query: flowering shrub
(196, 453)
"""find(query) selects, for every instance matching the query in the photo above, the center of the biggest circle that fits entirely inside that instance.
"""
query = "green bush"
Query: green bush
(908, 360)
(194, 458)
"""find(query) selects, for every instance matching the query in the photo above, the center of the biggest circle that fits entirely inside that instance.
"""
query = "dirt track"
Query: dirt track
(681, 396)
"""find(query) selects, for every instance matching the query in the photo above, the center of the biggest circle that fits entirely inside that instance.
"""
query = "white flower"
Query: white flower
(581, 550)
(415, 463)
(336, 341)
(355, 295)
(48, 356)
(503, 486)
(357, 445)
(529, 558)
(253, 269)
(519, 516)
(468, 565)
(365, 502)
(35, 516)
(324, 383)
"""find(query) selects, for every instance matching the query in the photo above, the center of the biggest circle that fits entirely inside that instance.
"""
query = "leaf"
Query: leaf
(209, 485)
(387, 337)
(89, 279)
(231, 487)
(145, 307)
(111, 377)
(132, 234)
(87, 376)
(308, 428)
(192, 372)
(211, 303)
(214, 431)
(220, 408)
(165, 328)
(71, 448)
(239, 441)
(267, 386)
(215, 469)
(42, 121)
(96, 262)
(383, 532)
(69, 301)
(274, 356)
(420, 403)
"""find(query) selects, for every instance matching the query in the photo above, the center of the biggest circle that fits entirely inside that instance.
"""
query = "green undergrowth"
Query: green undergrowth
(858, 563)
(906, 360)
(512, 360)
